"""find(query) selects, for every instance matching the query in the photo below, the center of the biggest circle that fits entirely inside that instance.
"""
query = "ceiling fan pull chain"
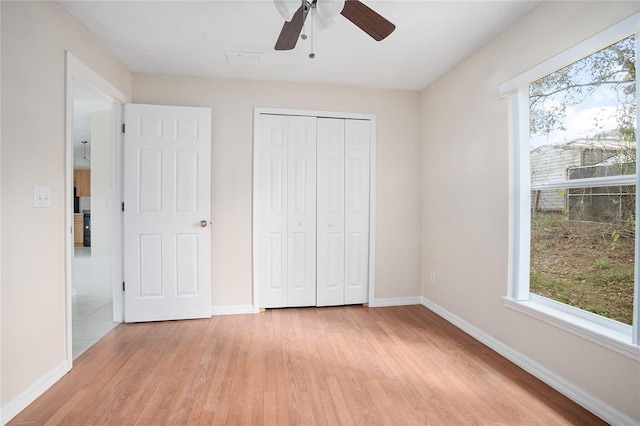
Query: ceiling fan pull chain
(304, 21)
(312, 55)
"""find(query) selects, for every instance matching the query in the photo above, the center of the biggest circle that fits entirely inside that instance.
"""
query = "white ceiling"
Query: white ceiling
(192, 38)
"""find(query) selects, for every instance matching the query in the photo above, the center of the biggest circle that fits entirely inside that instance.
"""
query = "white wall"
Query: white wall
(35, 36)
(102, 231)
(466, 199)
(398, 170)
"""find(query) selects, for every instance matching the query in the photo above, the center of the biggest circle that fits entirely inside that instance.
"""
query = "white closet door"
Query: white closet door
(357, 139)
(287, 203)
(313, 183)
(330, 274)
(302, 212)
(273, 204)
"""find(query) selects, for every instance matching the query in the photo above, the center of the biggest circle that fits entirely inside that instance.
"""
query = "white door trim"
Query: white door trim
(372, 198)
(75, 68)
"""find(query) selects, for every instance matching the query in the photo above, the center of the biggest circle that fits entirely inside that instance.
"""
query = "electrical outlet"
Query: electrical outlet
(41, 196)
(432, 277)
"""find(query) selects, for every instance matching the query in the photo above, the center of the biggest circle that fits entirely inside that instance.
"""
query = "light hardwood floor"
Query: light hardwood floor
(344, 365)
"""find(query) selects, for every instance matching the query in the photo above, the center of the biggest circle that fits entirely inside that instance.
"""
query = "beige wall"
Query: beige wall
(35, 36)
(466, 198)
(398, 225)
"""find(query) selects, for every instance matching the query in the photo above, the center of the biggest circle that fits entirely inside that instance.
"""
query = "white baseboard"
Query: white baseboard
(249, 309)
(397, 301)
(232, 310)
(27, 396)
(601, 409)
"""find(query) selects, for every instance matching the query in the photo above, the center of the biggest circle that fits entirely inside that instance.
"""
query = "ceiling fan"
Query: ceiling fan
(295, 13)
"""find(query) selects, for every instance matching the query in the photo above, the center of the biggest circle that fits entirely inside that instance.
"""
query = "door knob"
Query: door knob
(203, 223)
(300, 223)
(331, 224)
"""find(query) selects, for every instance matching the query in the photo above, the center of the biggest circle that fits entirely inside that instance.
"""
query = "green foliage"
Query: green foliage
(628, 230)
(630, 224)
(602, 264)
(610, 276)
(596, 310)
(615, 236)
(549, 286)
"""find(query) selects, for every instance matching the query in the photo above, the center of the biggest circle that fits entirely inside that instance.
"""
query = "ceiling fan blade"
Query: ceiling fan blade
(291, 30)
(367, 19)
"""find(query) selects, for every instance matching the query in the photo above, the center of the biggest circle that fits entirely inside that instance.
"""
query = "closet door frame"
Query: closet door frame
(257, 112)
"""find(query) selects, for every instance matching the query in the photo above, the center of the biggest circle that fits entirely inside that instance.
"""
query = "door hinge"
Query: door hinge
(123, 206)
(123, 286)
(123, 126)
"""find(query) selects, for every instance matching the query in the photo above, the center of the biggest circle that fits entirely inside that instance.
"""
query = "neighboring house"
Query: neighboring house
(582, 159)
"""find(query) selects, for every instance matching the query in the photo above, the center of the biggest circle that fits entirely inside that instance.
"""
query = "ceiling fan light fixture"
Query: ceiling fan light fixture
(329, 9)
(287, 8)
(322, 23)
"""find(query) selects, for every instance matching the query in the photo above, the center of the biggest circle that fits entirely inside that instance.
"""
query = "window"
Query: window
(574, 137)
(582, 235)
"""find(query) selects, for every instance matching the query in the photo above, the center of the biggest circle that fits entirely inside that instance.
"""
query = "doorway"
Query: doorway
(92, 135)
(93, 190)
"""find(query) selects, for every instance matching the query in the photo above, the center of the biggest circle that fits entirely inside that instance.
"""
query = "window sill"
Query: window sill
(602, 331)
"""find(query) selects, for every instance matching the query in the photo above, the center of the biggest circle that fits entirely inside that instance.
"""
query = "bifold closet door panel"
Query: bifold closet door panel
(273, 164)
(357, 192)
(287, 206)
(330, 207)
(301, 271)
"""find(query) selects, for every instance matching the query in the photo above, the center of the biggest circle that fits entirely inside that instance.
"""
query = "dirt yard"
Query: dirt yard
(581, 264)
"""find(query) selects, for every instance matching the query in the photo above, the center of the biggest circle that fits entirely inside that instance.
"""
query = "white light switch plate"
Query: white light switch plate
(41, 196)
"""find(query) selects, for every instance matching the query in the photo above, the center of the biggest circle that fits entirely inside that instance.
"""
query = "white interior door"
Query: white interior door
(167, 236)
(330, 277)
(287, 203)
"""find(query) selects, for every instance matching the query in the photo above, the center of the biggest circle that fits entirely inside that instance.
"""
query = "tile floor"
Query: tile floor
(92, 304)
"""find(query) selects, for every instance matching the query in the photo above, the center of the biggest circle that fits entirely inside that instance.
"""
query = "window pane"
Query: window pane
(583, 249)
(582, 117)
(582, 126)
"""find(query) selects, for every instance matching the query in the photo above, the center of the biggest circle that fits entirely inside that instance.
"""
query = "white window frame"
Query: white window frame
(614, 335)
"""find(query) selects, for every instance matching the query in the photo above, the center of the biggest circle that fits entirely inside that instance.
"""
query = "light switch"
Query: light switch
(41, 196)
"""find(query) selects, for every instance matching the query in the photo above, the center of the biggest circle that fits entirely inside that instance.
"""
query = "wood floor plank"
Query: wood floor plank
(327, 366)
